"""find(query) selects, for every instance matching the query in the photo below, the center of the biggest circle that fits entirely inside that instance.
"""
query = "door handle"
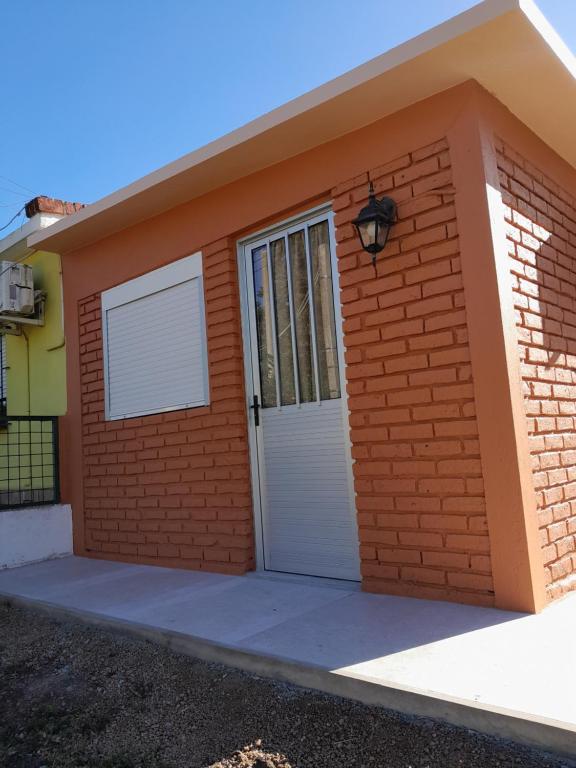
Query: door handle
(256, 408)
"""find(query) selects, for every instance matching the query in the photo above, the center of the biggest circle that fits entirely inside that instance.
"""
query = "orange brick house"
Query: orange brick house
(247, 391)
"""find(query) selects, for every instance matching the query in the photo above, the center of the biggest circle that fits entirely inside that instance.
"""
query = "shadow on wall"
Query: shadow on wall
(541, 236)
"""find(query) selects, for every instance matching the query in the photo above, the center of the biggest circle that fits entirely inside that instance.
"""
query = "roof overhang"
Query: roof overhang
(507, 46)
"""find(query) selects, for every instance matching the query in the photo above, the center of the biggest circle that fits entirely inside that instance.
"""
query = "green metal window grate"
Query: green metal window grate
(29, 468)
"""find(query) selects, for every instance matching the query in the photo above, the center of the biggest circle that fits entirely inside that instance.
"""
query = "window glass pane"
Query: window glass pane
(301, 299)
(264, 326)
(283, 323)
(327, 349)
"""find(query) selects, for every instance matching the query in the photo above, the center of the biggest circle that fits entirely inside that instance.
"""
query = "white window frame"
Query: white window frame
(181, 271)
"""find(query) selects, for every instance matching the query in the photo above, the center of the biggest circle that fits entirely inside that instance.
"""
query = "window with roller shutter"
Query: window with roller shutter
(154, 341)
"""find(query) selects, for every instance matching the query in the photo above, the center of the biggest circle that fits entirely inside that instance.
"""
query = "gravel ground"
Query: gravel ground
(75, 697)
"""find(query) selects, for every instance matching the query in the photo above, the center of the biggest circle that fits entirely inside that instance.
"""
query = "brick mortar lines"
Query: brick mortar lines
(420, 499)
(418, 476)
(172, 488)
(541, 236)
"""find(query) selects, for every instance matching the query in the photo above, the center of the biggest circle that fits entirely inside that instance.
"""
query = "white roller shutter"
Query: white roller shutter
(155, 342)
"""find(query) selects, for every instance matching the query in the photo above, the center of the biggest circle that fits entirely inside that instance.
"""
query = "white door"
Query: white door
(308, 517)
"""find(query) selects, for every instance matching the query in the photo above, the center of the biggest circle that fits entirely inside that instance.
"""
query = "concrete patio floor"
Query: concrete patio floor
(490, 670)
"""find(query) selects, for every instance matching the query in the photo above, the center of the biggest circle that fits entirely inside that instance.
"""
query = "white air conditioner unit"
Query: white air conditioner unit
(16, 289)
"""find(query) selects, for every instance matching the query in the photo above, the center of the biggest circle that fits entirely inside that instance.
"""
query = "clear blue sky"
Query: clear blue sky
(96, 93)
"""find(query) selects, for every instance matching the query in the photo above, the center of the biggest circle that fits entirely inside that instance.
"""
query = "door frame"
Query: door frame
(251, 365)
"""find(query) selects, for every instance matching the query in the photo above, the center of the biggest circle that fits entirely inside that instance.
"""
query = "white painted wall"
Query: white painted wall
(31, 534)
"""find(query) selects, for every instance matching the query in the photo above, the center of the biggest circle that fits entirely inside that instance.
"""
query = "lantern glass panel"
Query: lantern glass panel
(368, 231)
(382, 234)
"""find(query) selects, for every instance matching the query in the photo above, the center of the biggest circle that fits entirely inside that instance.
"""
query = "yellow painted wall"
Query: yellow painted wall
(36, 360)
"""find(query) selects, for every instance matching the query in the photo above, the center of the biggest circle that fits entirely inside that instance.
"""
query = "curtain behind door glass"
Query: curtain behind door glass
(283, 322)
(328, 372)
(264, 326)
(301, 299)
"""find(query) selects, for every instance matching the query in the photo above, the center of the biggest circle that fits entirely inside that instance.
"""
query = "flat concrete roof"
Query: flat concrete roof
(507, 46)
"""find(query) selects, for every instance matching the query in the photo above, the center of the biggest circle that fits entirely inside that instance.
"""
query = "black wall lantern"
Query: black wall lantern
(373, 223)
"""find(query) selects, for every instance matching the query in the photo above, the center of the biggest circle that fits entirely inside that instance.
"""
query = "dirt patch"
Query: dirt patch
(253, 756)
(76, 697)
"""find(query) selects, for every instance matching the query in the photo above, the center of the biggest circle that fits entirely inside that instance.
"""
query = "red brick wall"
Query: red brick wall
(541, 232)
(421, 508)
(172, 489)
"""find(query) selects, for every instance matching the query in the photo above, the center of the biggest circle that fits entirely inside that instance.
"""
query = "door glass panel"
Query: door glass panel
(327, 350)
(295, 288)
(302, 321)
(283, 322)
(264, 326)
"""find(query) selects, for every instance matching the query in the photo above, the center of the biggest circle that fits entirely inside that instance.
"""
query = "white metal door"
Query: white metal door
(301, 423)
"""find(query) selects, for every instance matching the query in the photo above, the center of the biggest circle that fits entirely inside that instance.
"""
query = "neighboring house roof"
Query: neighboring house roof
(505, 45)
(14, 246)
